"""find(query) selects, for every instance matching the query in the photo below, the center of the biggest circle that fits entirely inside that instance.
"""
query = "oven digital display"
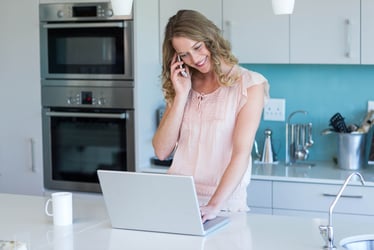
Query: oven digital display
(85, 11)
(86, 97)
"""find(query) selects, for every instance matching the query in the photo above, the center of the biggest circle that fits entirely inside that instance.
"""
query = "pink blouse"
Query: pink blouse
(206, 138)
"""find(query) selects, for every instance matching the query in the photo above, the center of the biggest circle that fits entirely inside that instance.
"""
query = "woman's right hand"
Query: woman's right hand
(182, 84)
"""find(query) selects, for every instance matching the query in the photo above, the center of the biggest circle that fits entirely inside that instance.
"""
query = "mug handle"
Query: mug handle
(46, 207)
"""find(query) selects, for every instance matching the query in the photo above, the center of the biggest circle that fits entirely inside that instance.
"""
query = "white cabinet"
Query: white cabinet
(255, 33)
(325, 31)
(314, 200)
(212, 9)
(367, 32)
(20, 102)
(310, 199)
(259, 197)
(318, 32)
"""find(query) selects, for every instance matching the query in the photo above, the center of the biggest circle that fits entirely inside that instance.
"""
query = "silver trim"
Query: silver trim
(128, 36)
(344, 196)
(86, 115)
(84, 25)
(32, 152)
(81, 186)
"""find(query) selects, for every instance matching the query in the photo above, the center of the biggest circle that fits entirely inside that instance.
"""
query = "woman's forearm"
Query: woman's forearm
(167, 133)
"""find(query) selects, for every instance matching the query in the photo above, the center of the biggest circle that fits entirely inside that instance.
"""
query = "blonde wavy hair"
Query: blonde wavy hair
(195, 26)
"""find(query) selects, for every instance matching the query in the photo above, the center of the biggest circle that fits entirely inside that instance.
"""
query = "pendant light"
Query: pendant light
(283, 7)
(122, 7)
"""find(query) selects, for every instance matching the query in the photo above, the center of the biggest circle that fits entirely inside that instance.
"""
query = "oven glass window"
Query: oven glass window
(81, 146)
(86, 50)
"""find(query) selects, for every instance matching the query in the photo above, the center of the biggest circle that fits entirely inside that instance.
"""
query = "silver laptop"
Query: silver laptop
(154, 202)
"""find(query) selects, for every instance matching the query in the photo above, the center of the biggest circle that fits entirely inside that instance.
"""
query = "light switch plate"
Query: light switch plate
(275, 110)
(370, 105)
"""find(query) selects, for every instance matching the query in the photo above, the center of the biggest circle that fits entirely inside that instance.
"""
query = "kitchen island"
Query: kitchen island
(22, 218)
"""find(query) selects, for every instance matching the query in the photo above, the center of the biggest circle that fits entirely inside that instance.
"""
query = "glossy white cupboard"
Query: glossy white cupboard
(249, 25)
(311, 198)
(20, 102)
(367, 32)
(325, 31)
(260, 196)
(255, 33)
(318, 32)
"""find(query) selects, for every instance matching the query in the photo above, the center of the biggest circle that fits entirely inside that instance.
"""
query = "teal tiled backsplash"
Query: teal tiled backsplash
(321, 90)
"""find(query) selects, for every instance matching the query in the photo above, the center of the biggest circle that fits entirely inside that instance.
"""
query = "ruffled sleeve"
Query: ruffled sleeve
(248, 79)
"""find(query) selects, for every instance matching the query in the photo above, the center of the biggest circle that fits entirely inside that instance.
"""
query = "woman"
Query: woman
(213, 112)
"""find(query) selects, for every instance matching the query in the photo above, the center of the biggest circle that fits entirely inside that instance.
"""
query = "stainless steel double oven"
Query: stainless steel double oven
(87, 88)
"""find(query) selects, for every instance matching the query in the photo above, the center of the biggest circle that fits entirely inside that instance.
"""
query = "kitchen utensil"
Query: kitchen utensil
(301, 153)
(337, 122)
(367, 122)
(327, 131)
(298, 140)
(352, 128)
(310, 141)
(267, 153)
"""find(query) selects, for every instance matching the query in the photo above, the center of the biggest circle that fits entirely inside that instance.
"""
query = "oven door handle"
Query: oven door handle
(87, 115)
(83, 25)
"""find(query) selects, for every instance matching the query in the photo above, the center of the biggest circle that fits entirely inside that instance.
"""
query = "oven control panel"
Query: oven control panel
(75, 11)
(86, 98)
(95, 97)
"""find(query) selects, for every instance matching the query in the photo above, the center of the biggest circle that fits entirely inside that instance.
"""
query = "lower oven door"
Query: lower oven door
(78, 142)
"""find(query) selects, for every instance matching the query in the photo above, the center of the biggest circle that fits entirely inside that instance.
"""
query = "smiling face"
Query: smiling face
(194, 54)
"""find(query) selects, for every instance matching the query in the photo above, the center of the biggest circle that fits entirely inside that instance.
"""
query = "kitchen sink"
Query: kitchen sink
(358, 242)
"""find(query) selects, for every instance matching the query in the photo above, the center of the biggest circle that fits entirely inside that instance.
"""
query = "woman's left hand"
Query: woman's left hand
(208, 212)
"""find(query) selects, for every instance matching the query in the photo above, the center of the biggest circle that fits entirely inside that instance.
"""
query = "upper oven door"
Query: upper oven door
(87, 50)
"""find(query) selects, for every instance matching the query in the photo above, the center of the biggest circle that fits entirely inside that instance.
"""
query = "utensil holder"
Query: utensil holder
(298, 140)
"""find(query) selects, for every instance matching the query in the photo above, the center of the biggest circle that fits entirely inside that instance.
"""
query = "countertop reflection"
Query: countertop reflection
(320, 172)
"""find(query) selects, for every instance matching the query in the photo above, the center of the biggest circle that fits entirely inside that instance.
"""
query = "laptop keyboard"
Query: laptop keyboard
(212, 223)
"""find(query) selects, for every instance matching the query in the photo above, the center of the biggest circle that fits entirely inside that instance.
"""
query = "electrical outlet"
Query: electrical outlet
(370, 105)
(275, 110)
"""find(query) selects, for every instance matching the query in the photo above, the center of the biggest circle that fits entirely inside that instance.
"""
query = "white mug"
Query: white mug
(62, 208)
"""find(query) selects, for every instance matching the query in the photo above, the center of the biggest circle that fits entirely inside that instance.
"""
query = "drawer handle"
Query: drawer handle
(344, 196)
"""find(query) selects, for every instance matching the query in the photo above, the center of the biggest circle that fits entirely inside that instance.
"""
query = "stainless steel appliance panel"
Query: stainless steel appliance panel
(91, 45)
(87, 87)
(99, 97)
(77, 143)
(78, 11)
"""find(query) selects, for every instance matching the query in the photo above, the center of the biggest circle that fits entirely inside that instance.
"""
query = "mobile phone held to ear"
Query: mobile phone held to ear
(183, 72)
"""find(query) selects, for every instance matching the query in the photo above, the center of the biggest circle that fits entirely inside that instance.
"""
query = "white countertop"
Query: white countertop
(22, 218)
(321, 172)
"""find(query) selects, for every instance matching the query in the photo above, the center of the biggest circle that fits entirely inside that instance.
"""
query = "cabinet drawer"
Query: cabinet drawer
(259, 194)
(318, 197)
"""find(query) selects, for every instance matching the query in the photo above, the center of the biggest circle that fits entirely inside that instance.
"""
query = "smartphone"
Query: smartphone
(183, 72)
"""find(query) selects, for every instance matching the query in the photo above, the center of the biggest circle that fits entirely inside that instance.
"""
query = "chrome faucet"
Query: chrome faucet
(327, 232)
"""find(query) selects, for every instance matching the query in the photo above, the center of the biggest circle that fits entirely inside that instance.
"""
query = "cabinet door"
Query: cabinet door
(259, 194)
(325, 31)
(367, 32)
(315, 197)
(255, 33)
(212, 9)
(20, 127)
